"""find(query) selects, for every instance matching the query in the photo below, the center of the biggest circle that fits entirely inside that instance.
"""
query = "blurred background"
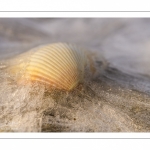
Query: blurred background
(124, 42)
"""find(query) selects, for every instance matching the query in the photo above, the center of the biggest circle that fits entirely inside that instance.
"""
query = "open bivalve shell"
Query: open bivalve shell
(58, 65)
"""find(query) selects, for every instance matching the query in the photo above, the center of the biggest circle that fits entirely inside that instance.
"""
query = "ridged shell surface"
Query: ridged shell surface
(59, 65)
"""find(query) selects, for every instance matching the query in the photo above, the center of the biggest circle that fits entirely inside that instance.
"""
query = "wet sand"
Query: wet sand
(116, 99)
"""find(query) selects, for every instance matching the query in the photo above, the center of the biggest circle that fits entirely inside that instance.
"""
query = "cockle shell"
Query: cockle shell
(58, 65)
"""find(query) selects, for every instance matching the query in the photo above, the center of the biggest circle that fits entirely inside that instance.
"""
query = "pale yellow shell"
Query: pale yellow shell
(58, 65)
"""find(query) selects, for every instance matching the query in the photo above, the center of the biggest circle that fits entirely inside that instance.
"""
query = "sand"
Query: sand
(115, 99)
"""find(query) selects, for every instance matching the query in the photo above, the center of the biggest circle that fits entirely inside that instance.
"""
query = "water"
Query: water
(115, 99)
